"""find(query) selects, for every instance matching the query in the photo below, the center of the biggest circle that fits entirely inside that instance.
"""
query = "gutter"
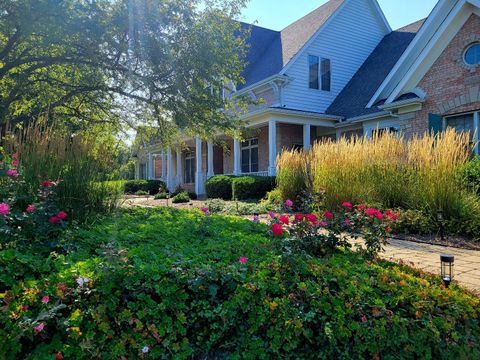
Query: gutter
(281, 78)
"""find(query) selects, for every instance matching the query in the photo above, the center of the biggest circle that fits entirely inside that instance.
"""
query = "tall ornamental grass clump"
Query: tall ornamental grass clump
(386, 171)
(78, 163)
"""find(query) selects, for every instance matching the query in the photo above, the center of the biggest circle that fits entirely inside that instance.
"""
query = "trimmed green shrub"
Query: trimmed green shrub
(219, 187)
(252, 187)
(414, 222)
(181, 198)
(192, 195)
(160, 196)
(152, 187)
(219, 206)
(141, 192)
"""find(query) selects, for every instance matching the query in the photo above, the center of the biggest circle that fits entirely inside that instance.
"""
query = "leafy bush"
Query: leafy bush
(219, 206)
(219, 187)
(179, 284)
(162, 195)
(414, 222)
(141, 192)
(181, 197)
(471, 174)
(152, 187)
(192, 195)
(252, 187)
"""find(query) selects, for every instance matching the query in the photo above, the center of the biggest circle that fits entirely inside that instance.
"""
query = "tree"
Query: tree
(89, 61)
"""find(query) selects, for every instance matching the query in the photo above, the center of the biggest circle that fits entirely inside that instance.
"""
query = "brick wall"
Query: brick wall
(450, 86)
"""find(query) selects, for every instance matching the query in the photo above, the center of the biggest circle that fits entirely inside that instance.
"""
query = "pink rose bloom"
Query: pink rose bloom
(243, 259)
(15, 156)
(4, 209)
(348, 222)
(347, 205)
(323, 224)
(284, 219)
(277, 229)
(288, 203)
(205, 210)
(39, 327)
(298, 217)
(361, 207)
(312, 218)
(15, 162)
(62, 215)
(47, 183)
(54, 219)
(31, 208)
(12, 173)
(271, 214)
(328, 215)
(45, 299)
(391, 215)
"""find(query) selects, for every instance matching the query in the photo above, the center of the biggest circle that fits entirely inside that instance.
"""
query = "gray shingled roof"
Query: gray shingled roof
(271, 50)
(353, 99)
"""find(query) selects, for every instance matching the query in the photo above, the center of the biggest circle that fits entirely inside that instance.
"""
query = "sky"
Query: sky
(277, 14)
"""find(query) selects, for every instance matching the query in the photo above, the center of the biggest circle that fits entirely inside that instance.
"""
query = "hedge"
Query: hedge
(219, 187)
(153, 187)
(252, 187)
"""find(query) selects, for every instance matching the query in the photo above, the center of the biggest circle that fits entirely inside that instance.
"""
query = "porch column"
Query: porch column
(236, 157)
(272, 147)
(149, 166)
(170, 184)
(306, 136)
(210, 170)
(164, 165)
(179, 167)
(199, 185)
(476, 128)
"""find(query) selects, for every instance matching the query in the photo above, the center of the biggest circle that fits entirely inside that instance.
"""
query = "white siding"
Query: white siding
(347, 41)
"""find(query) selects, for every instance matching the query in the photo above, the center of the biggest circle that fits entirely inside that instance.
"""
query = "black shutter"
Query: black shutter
(435, 123)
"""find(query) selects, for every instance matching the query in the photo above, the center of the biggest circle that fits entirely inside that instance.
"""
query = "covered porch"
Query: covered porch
(190, 163)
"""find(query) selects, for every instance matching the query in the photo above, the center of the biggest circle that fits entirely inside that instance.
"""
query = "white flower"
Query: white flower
(145, 349)
(82, 281)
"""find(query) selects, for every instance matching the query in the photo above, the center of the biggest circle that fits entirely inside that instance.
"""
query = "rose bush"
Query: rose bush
(24, 216)
(320, 235)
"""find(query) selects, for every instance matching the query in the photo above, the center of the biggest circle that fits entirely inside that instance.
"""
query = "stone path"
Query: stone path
(427, 258)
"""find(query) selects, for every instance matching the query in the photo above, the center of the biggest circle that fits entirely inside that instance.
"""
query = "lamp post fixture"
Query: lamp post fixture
(256, 217)
(440, 223)
(446, 268)
(168, 198)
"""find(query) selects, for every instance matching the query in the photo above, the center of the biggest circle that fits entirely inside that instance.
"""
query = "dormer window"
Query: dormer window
(319, 73)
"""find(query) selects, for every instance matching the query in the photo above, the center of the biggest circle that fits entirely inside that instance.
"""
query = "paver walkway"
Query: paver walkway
(427, 257)
(420, 255)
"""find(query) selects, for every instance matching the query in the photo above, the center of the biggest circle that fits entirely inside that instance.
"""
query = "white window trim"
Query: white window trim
(248, 147)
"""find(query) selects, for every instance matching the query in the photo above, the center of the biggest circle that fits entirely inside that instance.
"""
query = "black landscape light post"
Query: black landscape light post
(446, 268)
(440, 223)
(168, 197)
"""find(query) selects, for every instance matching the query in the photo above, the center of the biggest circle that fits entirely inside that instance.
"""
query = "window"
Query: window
(313, 72)
(461, 123)
(326, 74)
(297, 147)
(189, 168)
(472, 54)
(250, 156)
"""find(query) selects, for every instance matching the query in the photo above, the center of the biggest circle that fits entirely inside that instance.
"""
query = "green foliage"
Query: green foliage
(219, 206)
(252, 187)
(414, 222)
(181, 197)
(471, 174)
(141, 192)
(171, 280)
(151, 187)
(219, 187)
(161, 196)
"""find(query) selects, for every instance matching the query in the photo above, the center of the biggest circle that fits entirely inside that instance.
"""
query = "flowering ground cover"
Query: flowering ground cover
(167, 283)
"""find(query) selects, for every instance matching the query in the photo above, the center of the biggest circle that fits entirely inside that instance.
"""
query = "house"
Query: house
(340, 71)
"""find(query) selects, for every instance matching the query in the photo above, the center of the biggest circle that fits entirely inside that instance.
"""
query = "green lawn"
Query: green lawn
(165, 283)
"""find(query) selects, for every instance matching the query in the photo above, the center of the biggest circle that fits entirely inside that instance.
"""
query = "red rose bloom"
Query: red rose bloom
(312, 218)
(277, 229)
(62, 215)
(298, 217)
(284, 219)
(328, 215)
(54, 219)
(361, 207)
(47, 183)
(347, 205)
